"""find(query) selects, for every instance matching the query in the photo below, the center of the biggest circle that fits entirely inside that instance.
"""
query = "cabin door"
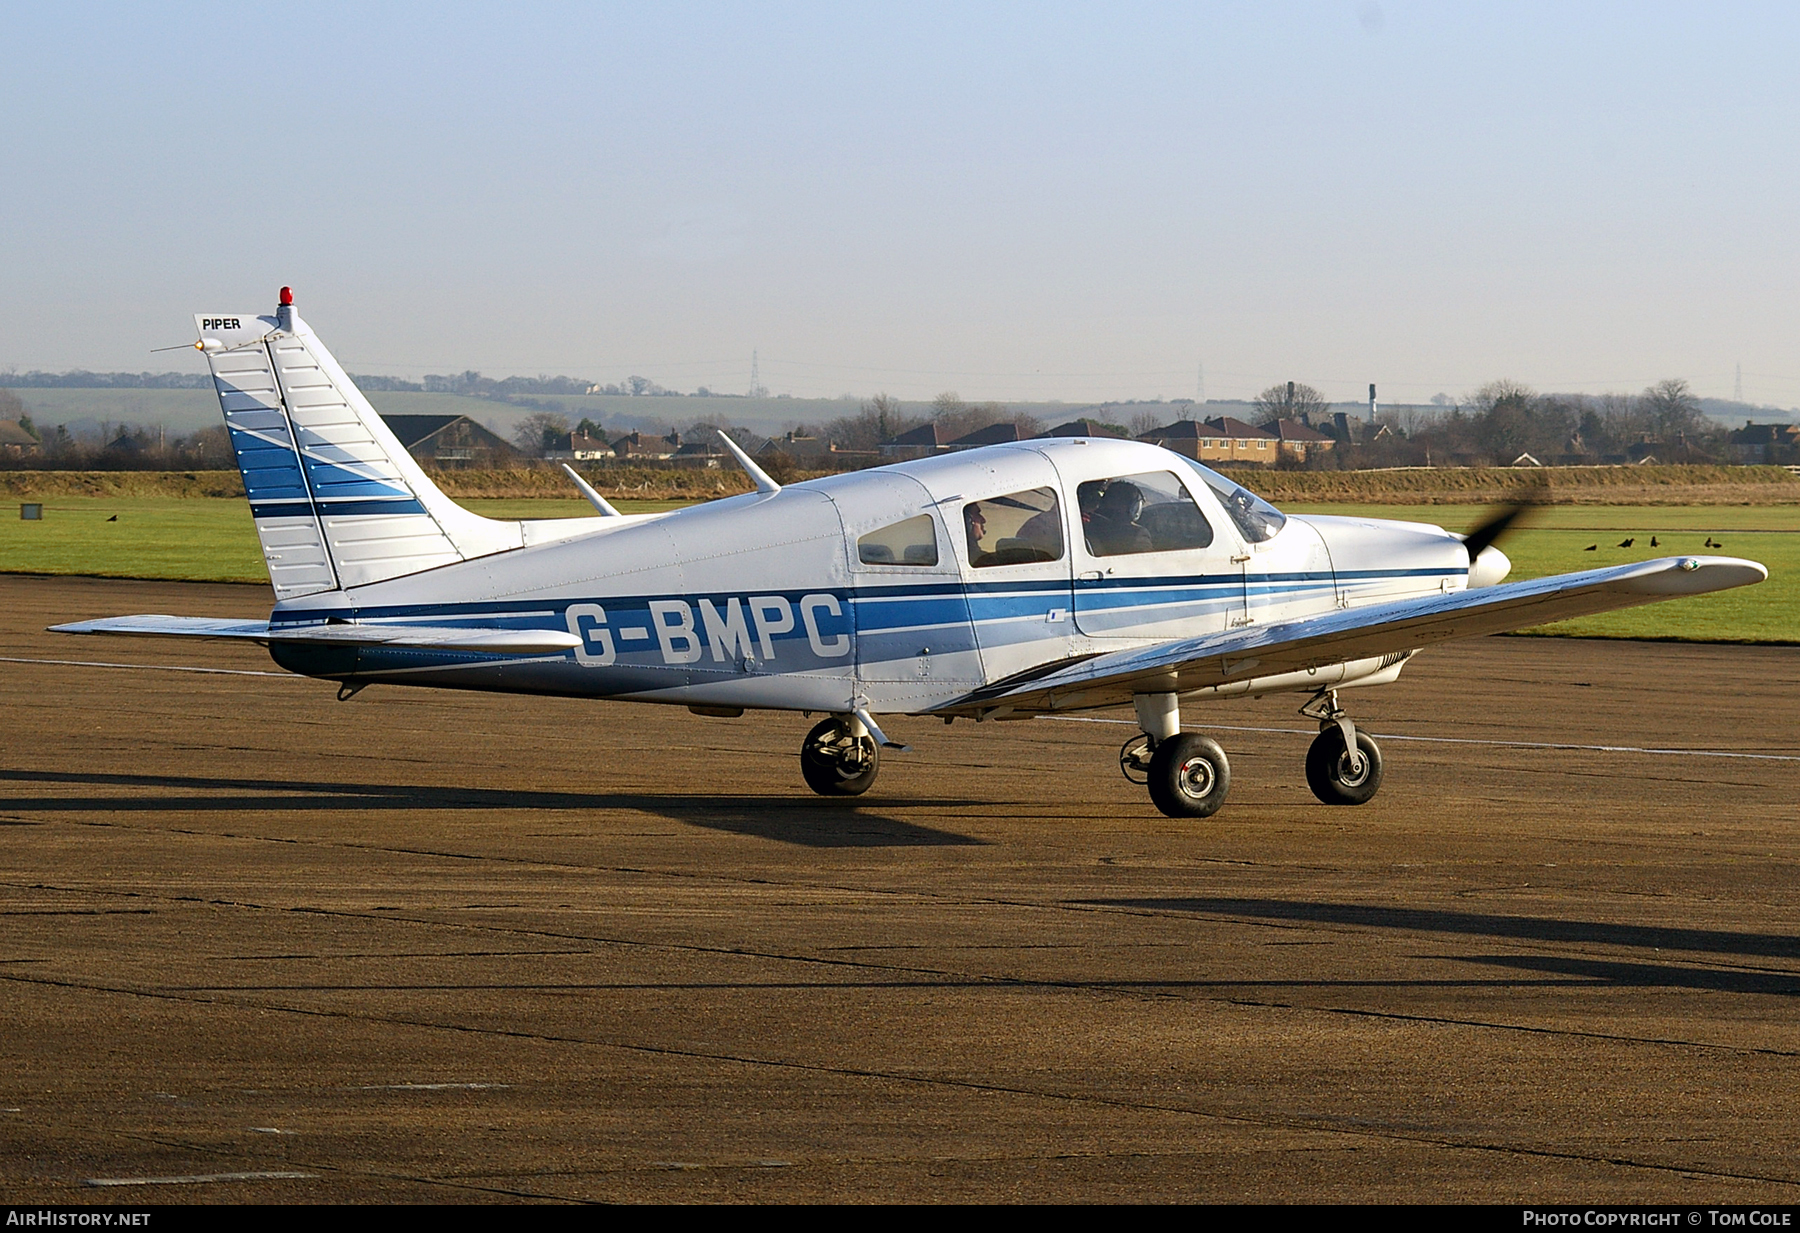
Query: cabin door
(1149, 564)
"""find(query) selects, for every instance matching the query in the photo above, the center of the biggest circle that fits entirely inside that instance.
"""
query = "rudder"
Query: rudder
(338, 502)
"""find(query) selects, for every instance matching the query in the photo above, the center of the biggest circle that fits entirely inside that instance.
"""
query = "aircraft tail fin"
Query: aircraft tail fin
(338, 502)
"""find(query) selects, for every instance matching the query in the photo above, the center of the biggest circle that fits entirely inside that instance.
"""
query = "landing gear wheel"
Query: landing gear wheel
(835, 763)
(1189, 776)
(1331, 774)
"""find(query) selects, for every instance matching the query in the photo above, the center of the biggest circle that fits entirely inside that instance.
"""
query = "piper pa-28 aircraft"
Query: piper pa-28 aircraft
(1038, 578)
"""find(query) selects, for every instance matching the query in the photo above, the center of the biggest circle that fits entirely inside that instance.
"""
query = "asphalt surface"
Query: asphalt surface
(266, 946)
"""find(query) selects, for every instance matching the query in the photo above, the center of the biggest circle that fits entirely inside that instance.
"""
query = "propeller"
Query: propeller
(1501, 521)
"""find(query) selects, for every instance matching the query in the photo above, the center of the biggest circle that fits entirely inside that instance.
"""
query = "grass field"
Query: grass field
(195, 539)
(210, 539)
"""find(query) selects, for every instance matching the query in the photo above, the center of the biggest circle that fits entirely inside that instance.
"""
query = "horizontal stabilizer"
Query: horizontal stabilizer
(169, 626)
(425, 637)
(1356, 633)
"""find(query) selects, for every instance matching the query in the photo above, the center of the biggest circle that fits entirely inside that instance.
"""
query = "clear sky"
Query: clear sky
(1012, 202)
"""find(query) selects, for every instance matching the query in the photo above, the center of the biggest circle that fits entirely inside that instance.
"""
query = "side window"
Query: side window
(1151, 512)
(912, 542)
(1014, 529)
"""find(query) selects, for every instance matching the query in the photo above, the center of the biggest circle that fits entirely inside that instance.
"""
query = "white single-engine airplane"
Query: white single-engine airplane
(1043, 577)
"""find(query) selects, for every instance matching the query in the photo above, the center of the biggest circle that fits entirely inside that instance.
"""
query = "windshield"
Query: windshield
(1255, 517)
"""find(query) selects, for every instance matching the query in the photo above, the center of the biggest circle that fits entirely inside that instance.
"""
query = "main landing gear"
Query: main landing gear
(1188, 774)
(840, 757)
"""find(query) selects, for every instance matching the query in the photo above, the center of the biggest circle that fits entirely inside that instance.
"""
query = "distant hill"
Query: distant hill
(1733, 414)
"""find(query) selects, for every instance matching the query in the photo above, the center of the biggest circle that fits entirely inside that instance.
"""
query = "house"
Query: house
(1295, 439)
(921, 442)
(816, 453)
(1248, 442)
(1218, 440)
(450, 442)
(580, 447)
(701, 454)
(15, 442)
(797, 446)
(634, 446)
(1766, 444)
(1189, 438)
(1081, 428)
(993, 434)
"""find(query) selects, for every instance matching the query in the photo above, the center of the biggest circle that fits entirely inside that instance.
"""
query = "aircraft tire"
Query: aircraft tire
(828, 768)
(1189, 776)
(1328, 769)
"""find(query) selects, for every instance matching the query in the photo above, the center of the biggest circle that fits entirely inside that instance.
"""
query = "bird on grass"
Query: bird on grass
(114, 518)
(1653, 542)
(1710, 544)
(1592, 548)
(1628, 542)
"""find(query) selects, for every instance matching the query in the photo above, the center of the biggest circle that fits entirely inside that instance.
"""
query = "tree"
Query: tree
(208, 449)
(956, 418)
(538, 431)
(1147, 421)
(878, 420)
(1510, 419)
(1292, 401)
(884, 408)
(1671, 409)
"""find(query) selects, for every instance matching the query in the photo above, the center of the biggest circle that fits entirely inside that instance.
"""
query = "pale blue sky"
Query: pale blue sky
(1008, 201)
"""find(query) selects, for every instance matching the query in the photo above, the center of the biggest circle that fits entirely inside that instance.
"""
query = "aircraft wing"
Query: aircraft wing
(1353, 633)
(432, 637)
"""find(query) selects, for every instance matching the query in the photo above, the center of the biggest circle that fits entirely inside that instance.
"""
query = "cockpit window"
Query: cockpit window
(1014, 529)
(912, 542)
(1256, 518)
(1150, 512)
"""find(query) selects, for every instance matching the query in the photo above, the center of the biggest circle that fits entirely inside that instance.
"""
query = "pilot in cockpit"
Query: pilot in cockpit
(1113, 529)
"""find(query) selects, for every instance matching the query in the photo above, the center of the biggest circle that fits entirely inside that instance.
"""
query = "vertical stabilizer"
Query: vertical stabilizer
(337, 501)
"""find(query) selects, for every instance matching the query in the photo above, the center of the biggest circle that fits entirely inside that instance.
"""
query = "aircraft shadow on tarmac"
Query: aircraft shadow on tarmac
(1535, 929)
(808, 822)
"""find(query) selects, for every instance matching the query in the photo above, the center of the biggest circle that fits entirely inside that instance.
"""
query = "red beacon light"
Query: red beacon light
(287, 297)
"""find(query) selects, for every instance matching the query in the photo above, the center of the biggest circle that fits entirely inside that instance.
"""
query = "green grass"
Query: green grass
(193, 539)
(212, 539)
(188, 539)
(1554, 540)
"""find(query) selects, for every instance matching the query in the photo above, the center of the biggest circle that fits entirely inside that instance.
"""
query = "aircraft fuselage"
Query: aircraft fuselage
(872, 590)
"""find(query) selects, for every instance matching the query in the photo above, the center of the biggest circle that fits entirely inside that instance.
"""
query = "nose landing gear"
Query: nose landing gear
(1343, 766)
